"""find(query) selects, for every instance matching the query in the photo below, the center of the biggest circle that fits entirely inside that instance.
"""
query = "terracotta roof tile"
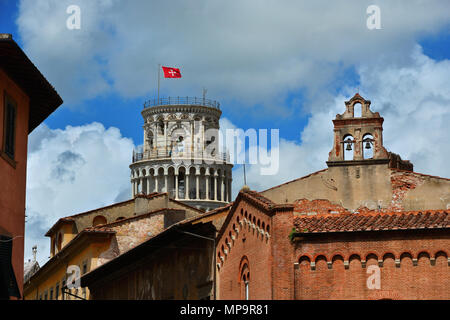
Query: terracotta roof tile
(431, 219)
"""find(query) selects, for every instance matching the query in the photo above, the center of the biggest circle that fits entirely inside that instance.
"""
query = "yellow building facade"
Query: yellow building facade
(82, 242)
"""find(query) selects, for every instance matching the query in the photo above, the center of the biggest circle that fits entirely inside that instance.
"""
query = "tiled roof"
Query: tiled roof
(256, 196)
(350, 222)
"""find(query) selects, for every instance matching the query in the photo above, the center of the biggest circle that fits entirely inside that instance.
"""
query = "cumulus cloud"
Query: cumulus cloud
(247, 51)
(71, 171)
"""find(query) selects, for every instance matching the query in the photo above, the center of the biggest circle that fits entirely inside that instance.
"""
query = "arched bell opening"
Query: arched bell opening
(349, 147)
(368, 146)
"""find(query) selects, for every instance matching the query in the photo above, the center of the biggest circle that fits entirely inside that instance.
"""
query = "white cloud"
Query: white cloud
(414, 101)
(71, 171)
(247, 51)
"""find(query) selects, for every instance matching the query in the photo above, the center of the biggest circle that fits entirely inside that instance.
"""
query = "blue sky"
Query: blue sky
(287, 65)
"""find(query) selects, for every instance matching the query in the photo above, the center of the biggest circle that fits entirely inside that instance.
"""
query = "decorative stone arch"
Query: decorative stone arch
(406, 255)
(388, 255)
(350, 107)
(337, 256)
(372, 254)
(440, 253)
(423, 254)
(354, 257)
(304, 257)
(195, 171)
(178, 125)
(320, 256)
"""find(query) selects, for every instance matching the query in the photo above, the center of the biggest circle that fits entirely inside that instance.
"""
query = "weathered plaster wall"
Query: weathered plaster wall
(375, 187)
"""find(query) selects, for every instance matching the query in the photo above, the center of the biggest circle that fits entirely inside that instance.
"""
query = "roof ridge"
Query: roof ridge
(422, 174)
(140, 216)
(290, 181)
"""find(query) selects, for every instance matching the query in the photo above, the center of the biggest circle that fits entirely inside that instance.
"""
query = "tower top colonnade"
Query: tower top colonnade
(181, 152)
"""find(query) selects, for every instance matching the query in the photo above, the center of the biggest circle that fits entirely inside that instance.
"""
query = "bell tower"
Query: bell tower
(358, 135)
(181, 154)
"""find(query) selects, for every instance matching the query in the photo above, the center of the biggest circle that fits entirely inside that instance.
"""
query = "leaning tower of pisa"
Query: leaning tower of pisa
(181, 154)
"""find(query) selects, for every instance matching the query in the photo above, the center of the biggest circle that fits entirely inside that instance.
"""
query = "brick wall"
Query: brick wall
(412, 265)
(251, 245)
(283, 255)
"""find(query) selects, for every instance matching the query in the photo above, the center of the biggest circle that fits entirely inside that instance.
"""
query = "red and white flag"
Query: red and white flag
(171, 72)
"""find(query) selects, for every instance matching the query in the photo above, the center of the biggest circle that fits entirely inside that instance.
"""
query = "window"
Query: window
(246, 290)
(51, 293)
(245, 279)
(63, 288)
(84, 267)
(57, 291)
(9, 125)
(45, 295)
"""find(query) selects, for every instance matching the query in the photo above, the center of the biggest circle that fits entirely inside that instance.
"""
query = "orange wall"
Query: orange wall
(12, 186)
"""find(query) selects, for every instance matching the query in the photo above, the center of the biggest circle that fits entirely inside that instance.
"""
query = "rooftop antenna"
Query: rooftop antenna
(159, 69)
(204, 94)
(245, 176)
(34, 249)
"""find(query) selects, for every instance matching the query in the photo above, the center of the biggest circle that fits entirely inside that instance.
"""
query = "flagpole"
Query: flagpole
(159, 70)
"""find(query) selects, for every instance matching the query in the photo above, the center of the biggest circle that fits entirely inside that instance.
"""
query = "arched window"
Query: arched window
(98, 220)
(150, 139)
(244, 278)
(367, 147)
(357, 110)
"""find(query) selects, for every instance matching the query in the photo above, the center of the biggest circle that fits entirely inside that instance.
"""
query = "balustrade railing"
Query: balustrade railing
(182, 101)
(161, 154)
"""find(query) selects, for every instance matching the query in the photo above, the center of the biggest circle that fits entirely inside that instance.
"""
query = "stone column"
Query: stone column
(225, 187)
(155, 139)
(229, 189)
(144, 185)
(176, 186)
(197, 187)
(215, 187)
(207, 185)
(165, 183)
(156, 182)
(186, 187)
(222, 186)
(165, 138)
